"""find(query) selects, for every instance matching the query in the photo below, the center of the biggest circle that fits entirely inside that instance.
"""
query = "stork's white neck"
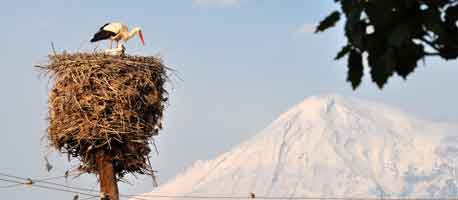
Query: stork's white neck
(132, 33)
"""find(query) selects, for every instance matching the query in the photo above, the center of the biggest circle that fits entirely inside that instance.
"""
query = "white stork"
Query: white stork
(116, 31)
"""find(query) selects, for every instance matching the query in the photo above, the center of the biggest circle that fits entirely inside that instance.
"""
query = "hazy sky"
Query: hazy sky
(240, 64)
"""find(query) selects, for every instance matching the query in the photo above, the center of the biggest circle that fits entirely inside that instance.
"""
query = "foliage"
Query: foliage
(394, 35)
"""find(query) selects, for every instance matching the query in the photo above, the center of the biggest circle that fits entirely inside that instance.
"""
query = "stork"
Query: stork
(116, 31)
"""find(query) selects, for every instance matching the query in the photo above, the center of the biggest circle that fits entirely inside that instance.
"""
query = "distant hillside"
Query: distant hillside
(334, 147)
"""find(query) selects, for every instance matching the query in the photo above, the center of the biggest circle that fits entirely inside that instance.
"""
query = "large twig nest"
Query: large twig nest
(106, 103)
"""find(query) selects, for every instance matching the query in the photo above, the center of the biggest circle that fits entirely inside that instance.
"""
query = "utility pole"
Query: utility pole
(107, 176)
(252, 195)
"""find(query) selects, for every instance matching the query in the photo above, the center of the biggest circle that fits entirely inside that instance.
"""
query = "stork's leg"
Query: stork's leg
(110, 44)
(117, 43)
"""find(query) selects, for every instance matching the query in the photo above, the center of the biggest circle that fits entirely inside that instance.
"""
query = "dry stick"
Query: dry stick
(153, 176)
(53, 49)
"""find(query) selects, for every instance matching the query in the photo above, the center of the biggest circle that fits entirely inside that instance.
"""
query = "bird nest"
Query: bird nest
(110, 104)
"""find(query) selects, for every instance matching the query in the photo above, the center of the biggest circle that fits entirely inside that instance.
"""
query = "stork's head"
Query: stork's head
(140, 34)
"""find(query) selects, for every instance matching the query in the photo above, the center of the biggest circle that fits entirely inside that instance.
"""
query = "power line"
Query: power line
(285, 197)
(71, 189)
(90, 192)
(48, 187)
(87, 198)
(67, 174)
(32, 181)
(11, 186)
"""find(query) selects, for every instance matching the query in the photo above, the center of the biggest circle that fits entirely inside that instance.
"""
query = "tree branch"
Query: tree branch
(431, 44)
(432, 54)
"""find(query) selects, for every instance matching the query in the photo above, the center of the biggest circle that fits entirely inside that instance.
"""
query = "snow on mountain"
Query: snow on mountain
(331, 146)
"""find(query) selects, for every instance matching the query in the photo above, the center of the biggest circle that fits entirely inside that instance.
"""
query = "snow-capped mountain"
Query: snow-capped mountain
(333, 147)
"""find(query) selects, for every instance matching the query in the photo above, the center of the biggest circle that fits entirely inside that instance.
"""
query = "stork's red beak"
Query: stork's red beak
(140, 35)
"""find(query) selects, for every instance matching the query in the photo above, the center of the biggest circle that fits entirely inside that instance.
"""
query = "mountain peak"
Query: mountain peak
(325, 101)
(317, 105)
(332, 146)
(317, 109)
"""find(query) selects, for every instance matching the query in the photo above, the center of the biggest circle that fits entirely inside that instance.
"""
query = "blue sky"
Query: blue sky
(240, 62)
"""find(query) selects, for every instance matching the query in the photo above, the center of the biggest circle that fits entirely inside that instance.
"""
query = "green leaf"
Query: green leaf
(399, 36)
(449, 53)
(408, 57)
(451, 15)
(355, 68)
(433, 21)
(403, 30)
(382, 67)
(344, 51)
(356, 32)
(328, 22)
(347, 5)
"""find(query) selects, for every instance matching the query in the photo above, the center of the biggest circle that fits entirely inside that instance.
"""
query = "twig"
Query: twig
(155, 184)
(53, 49)
(431, 44)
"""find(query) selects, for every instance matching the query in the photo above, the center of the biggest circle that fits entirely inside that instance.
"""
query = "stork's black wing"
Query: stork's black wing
(101, 28)
(102, 35)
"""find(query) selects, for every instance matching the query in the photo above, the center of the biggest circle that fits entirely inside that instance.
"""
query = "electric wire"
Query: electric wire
(285, 197)
(69, 174)
(49, 187)
(48, 182)
(87, 198)
(91, 193)
(11, 186)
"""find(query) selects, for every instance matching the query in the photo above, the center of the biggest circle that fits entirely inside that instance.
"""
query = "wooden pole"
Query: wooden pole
(107, 176)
